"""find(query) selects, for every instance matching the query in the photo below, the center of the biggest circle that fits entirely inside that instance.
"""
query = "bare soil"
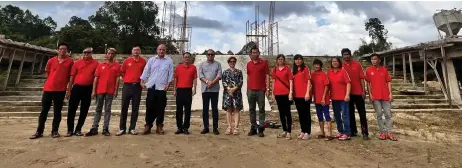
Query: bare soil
(427, 140)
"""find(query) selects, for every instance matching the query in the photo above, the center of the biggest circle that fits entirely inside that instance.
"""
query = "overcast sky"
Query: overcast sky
(308, 28)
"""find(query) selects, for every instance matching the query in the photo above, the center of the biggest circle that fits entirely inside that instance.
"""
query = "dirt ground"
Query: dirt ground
(427, 140)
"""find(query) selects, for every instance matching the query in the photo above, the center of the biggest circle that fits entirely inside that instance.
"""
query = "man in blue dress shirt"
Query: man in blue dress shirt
(156, 77)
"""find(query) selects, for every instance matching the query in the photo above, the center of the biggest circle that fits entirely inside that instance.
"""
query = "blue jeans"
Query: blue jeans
(322, 112)
(342, 116)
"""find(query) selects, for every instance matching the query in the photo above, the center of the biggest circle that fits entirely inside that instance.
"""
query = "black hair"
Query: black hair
(186, 53)
(374, 54)
(339, 62)
(232, 58)
(137, 45)
(346, 50)
(317, 61)
(63, 44)
(254, 48)
(302, 66)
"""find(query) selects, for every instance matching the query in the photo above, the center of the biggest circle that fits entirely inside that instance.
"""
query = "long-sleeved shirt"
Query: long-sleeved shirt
(158, 72)
(209, 71)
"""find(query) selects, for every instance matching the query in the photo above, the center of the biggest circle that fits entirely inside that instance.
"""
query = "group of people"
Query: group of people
(343, 85)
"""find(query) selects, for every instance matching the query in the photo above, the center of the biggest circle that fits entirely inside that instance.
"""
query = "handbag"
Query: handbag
(290, 101)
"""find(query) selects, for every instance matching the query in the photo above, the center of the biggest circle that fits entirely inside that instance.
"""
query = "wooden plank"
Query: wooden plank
(33, 65)
(394, 64)
(5, 83)
(20, 69)
(404, 67)
(425, 68)
(411, 69)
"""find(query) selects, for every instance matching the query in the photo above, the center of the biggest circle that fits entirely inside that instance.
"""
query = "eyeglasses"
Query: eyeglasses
(211, 55)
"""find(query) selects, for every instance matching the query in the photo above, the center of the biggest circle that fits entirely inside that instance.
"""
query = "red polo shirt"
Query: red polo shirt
(319, 81)
(84, 71)
(355, 70)
(185, 75)
(378, 79)
(301, 79)
(284, 75)
(338, 83)
(58, 74)
(132, 69)
(256, 73)
(107, 77)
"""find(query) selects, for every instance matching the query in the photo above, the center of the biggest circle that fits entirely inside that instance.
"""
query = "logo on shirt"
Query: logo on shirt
(129, 64)
(372, 73)
(103, 67)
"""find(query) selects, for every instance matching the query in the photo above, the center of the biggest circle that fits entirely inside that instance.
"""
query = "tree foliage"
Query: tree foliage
(378, 34)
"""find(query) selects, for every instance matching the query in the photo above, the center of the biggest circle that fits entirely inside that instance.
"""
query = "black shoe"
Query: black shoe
(216, 132)
(354, 134)
(92, 132)
(105, 132)
(36, 135)
(78, 133)
(260, 132)
(186, 132)
(205, 131)
(252, 132)
(55, 134)
(179, 131)
(366, 137)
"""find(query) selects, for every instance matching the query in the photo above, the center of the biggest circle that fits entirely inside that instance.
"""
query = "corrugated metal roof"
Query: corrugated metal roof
(10, 42)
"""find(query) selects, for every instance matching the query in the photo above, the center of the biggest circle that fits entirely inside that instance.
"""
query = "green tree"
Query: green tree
(378, 34)
(78, 33)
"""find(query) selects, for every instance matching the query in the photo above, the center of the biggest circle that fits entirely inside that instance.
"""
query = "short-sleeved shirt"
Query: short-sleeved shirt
(132, 69)
(284, 75)
(209, 71)
(301, 79)
(58, 74)
(338, 83)
(84, 71)
(378, 77)
(107, 74)
(319, 81)
(256, 73)
(356, 73)
(185, 75)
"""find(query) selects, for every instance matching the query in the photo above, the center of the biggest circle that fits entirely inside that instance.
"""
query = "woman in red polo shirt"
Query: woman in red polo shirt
(320, 91)
(340, 95)
(282, 93)
(302, 95)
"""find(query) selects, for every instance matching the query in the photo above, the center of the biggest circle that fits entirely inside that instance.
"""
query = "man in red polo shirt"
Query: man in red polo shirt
(357, 95)
(184, 88)
(81, 80)
(257, 88)
(58, 71)
(105, 89)
(379, 85)
(131, 71)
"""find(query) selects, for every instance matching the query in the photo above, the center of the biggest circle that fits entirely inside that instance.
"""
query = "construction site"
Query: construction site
(427, 122)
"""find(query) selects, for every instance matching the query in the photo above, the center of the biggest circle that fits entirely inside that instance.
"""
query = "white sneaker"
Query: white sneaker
(301, 135)
(306, 136)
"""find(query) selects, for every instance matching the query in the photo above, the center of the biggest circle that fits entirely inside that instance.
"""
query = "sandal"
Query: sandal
(282, 135)
(320, 136)
(288, 137)
(228, 131)
(390, 137)
(236, 131)
(329, 138)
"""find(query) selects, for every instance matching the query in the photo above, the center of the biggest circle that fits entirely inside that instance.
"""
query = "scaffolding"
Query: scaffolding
(179, 34)
(266, 37)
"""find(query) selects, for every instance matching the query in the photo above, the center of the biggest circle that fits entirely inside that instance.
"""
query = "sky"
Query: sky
(307, 28)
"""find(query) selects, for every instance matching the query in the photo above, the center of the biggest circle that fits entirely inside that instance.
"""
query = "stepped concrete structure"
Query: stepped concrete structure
(24, 99)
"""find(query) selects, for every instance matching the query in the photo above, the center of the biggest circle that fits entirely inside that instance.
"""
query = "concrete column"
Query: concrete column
(404, 67)
(9, 70)
(3, 53)
(394, 64)
(33, 65)
(453, 83)
(41, 64)
(20, 69)
(411, 69)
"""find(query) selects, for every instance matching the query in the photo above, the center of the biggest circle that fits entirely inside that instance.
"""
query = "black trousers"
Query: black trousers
(130, 91)
(304, 114)
(360, 105)
(284, 112)
(57, 98)
(156, 100)
(183, 101)
(207, 99)
(79, 94)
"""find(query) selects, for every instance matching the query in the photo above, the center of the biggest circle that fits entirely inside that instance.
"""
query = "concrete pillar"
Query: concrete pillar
(41, 64)
(20, 69)
(9, 70)
(33, 65)
(3, 53)
(453, 83)
(394, 64)
(404, 67)
(411, 69)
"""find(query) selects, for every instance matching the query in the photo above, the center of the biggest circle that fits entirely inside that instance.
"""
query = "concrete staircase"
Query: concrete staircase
(24, 100)
(433, 101)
